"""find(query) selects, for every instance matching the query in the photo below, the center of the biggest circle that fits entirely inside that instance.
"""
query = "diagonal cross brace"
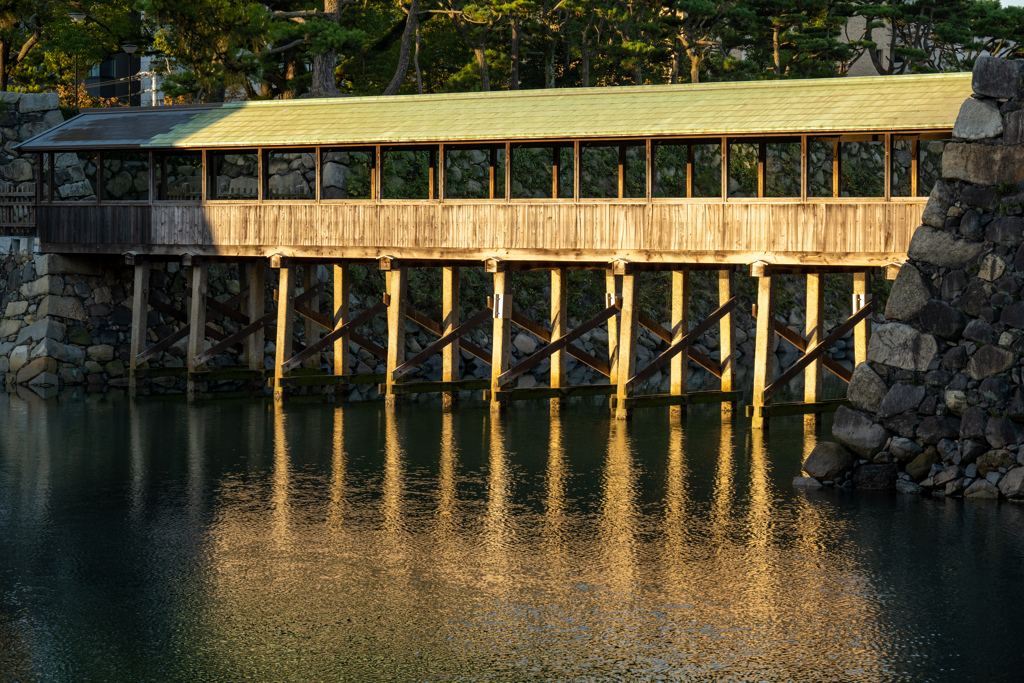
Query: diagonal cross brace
(444, 341)
(818, 349)
(331, 337)
(430, 326)
(557, 345)
(666, 336)
(545, 335)
(675, 349)
(800, 343)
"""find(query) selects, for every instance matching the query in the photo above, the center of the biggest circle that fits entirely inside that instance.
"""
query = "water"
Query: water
(230, 541)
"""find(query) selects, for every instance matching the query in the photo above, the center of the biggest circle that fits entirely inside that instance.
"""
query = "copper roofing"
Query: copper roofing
(875, 104)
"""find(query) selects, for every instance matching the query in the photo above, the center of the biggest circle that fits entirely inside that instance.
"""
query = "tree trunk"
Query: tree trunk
(416, 63)
(549, 68)
(481, 62)
(694, 65)
(411, 24)
(514, 82)
(584, 64)
(775, 51)
(323, 84)
(5, 58)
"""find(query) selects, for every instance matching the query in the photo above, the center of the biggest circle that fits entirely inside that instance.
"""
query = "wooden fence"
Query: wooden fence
(17, 209)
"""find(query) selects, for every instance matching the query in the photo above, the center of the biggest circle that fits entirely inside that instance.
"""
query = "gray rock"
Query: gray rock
(939, 201)
(910, 292)
(951, 473)
(934, 429)
(908, 487)
(905, 449)
(970, 225)
(1006, 230)
(902, 346)
(999, 432)
(36, 368)
(41, 329)
(62, 307)
(828, 461)
(47, 284)
(977, 120)
(525, 344)
(919, 467)
(44, 379)
(989, 360)
(1013, 128)
(44, 101)
(119, 185)
(858, 433)
(981, 164)
(991, 461)
(1013, 315)
(806, 483)
(942, 320)
(942, 249)
(17, 171)
(971, 450)
(901, 398)
(982, 489)
(1012, 485)
(992, 268)
(100, 353)
(979, 331)
(1015, 409)
(978, 196)
(866, 389)
(998, 78)
(972, 423)
(56, 264)
(875, 477)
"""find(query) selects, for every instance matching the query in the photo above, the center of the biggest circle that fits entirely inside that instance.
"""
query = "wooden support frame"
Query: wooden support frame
(342, 284)
(862, 331)
(311, 279)
(199, 272)
(140, 312)
(764, 346)
(397, 285)
(627, 343)
(443, 343)
(451, 280)
(560, 322)
(285, 321)
(256, 285)
(501, 340)
(337, 333)
(815, 331)
(680, 322)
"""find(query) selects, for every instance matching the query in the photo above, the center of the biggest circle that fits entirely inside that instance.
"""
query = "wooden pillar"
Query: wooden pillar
(397, 284)
(285, 321)
(627, 346)
(612, 291)
(140, 311)
(815, 332)
(680, 322)
(197, 322)
(862, 331)
(763, 347)
(451, 277)
(501, 343)
(342, 283)
(559, 327)
(256, 279)
(727, 338)
(310, 279)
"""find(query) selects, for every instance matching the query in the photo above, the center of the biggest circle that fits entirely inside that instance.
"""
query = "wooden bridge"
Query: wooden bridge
(805, 177)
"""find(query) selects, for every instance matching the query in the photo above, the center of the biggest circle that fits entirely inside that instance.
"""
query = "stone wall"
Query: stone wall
(938, 408)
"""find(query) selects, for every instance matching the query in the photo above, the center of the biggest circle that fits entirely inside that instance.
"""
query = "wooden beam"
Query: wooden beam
(442, 387)
(807, 409)
(140, 311)
(801, 345)
(613, 296)
(680, 322)
(627, 346)
(397, 283)
(440, 344)
(332, 380)
(764, 348)
(576, 352)
(197, 321)
(285, 321)
(551, 393)
(687, 399)
(559, 326)
(501, 343)
(815, 332)
(250, 332)
(727, 337)
(342, 283)
(451, 279)
(347, 329)
(817, 350)
(664, 335)
(311, 279)
(862, 331)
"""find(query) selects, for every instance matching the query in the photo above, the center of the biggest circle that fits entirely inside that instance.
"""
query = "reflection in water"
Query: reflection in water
(415, 545)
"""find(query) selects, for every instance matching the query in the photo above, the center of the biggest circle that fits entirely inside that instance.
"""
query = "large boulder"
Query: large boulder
(901, 398)
(919, 467)
(992, 461)
(942, 249)
(977, 120)
(1012, 485)
(980, 164)
(866, 389)
(1006, 230)
(996, 78)
(939, 201)
(902, 346)
(989, 360)
(910, 292)
(875, 477)
(983, 489)
(858, 433)
(942, 320)
(828, 461)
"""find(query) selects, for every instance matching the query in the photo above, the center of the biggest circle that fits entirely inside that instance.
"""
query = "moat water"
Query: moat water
(231, 541)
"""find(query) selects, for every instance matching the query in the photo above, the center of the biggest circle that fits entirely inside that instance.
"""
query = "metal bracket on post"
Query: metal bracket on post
(611, 299)
(860, 300)
(502, 306)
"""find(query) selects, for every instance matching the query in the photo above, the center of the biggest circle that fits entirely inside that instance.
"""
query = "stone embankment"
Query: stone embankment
(938, 407)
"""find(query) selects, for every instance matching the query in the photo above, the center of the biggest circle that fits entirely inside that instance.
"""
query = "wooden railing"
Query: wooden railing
(17, 209)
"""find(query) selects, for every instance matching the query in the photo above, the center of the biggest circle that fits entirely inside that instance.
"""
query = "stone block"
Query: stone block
(47, 284)
(858, 433)
(15, 308)
(43, 101)
(989, 360)
(920, 466)
(992, 268)
(998, 78)
(79, 335)
(828, 461)
(1013, 128)
(875, 477)
(19, 358)
(35, 368)
(62, 307)
(991, 461)
(942, 249)
(977, 120)
(909, 293)
(44, 379)
(1006, 230)
(980, 164)
(806, 483)
(866, 389)
(9, 327)
(46, 328)
(17, 171)
(934, 429)
(939, 201)
(900, 399)
(999, 432)
(100, 353)
(1012, 485)
(56, 264)
(942, 320)
(982, 489)
(902, 346)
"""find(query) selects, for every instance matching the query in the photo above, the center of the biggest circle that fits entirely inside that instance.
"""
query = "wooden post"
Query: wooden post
(197, 322)
(862, 331)
(559, 326)
(680, 327)
(501, 343)
(763, 347)
(311, 279)
(140, 310)
(837, 167)
(612, 291)
(341, 314)
(627, 345)
(727, 338)
(397, 284)
(285, 321)
(815, 330)
(255, 305)
(451, 277)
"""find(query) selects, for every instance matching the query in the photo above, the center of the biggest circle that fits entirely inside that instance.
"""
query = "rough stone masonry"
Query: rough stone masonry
(938, 407)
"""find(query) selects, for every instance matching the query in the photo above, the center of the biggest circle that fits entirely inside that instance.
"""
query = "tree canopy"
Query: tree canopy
(212, 50)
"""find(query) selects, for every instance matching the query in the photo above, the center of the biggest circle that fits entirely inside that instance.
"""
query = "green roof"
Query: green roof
(833, 105)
